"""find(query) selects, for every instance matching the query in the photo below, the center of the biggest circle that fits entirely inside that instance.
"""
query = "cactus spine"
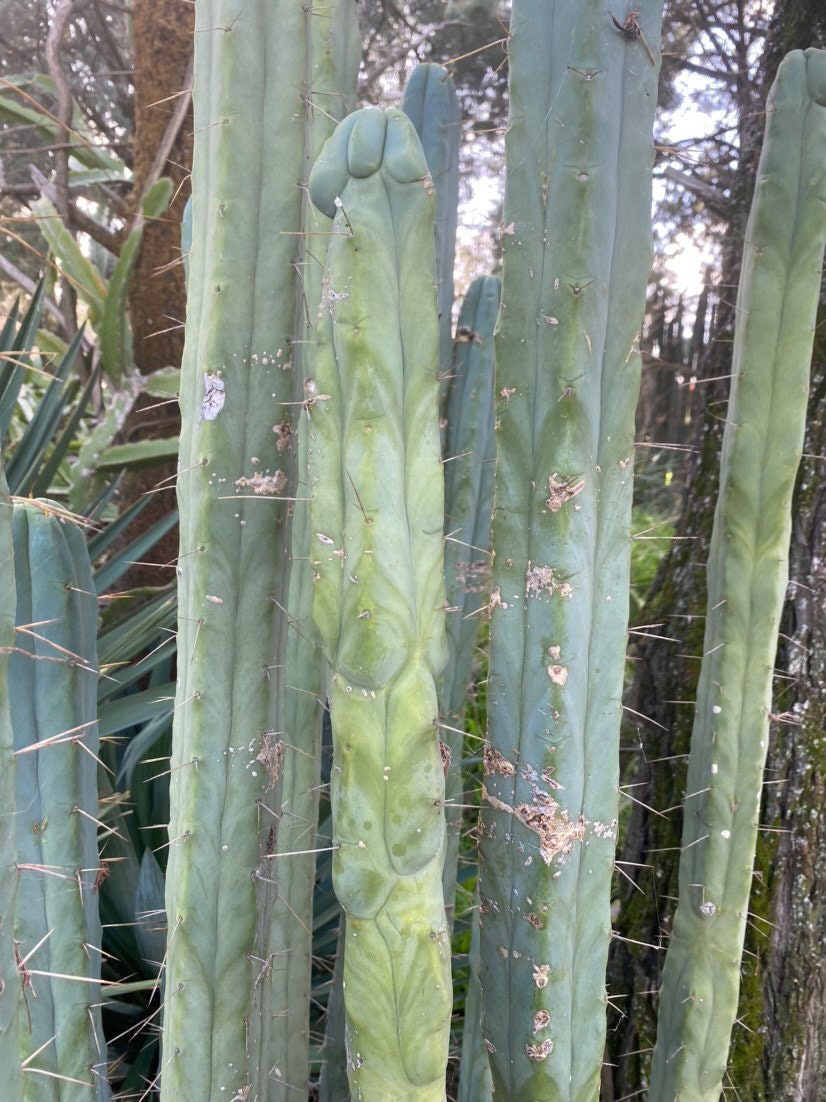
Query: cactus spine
(54, 720)
(576, 257)
(254, 124)
(747, 576)
(376, 517)
(9, 978)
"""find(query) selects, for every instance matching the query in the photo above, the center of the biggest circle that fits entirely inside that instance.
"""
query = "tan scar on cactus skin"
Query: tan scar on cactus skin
(561, 490)
(548, 821)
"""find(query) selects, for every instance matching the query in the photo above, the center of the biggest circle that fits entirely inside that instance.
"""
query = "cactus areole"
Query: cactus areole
(376, 546)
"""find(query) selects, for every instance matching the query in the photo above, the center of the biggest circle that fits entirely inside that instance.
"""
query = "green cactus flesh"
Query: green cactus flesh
(431, 104)
(9, 980)
(286, 898)
(747, 576)
(576, 234)
(470, 454)
(376, 517)
(235, 1009)
(54, 721)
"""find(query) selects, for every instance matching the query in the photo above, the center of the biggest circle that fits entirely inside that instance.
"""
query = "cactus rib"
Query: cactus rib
(576, 238)
(431, 104)
(470, 446)
(747, 575)
(54, 720)
(376, 516)
(226, 885)
(9, 978)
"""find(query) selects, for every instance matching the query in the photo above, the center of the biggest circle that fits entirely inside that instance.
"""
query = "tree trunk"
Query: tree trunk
(162, 33)
(779, 1054)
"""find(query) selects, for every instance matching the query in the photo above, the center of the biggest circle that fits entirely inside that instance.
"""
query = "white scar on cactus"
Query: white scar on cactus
(214, 397)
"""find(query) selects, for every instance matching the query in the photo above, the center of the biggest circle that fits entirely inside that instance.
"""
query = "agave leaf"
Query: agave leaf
(78, 269)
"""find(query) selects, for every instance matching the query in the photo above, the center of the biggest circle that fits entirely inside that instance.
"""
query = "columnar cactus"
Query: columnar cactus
(255, 131)
(470, 453)
(576, 234)
(431, 104)
(282, 1007)
(747, 576)
(475, 1081)
(54, 721)
(376, 517)
(10, 992)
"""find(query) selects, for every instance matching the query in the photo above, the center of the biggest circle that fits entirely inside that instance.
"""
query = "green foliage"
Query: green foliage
(106, 298)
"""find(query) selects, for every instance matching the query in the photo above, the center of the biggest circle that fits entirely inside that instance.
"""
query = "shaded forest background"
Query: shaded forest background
(120, 75)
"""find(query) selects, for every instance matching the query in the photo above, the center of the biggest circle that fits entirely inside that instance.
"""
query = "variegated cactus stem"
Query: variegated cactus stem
(235, 1011)
(577, 244)
(376, 518)
(747, 572)
(57, 933)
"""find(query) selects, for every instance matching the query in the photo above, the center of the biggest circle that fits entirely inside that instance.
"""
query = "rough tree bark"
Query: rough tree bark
(779, 1054)
(162, 38)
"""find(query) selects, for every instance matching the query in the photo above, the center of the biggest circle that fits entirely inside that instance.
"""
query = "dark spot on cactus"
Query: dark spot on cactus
(541, 974)
(283, 435)
(446, 756)
(271, 756)
(578, 288)
(551, 824)
(561, 490)
(539, 1052)
(466, 335)
(496, 763)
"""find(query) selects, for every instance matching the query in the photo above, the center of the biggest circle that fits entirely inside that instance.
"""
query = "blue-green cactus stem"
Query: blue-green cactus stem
(475, 1081)
(54, 720)
(254, 136)
(377, 514)
(10, 991)
(576, 237)
(469, 462)
(747, 575)
(285, 897)
(431, 104)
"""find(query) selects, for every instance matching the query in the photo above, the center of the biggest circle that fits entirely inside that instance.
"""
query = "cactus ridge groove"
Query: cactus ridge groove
(377, 510)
